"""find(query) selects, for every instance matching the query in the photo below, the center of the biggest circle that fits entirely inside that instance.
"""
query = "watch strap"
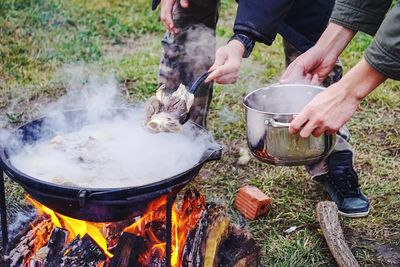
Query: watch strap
(247, 42)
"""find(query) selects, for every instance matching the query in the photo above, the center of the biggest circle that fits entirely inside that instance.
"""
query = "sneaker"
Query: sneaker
(341, 184)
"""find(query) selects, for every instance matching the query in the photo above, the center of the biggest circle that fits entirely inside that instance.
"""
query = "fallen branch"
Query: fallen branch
(327, 215)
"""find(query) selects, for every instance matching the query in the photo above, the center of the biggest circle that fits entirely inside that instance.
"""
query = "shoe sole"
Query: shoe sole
(354, 215)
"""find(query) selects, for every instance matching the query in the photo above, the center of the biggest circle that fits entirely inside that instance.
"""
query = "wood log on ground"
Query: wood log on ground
(82, 252)
(327, 215)
(127, 251)
(239, 249)
(203, 244)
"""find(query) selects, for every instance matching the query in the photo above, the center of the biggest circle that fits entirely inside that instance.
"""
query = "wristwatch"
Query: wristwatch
(247, 42)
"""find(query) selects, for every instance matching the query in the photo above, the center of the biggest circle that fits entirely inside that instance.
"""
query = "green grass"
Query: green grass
(40, 38)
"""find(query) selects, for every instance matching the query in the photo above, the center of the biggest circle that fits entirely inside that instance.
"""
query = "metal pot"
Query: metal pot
(269, 112)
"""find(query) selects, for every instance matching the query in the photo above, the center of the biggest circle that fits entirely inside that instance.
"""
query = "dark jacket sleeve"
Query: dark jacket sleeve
(384, 52)
(360, 15)
(154, 4)
(260, 18)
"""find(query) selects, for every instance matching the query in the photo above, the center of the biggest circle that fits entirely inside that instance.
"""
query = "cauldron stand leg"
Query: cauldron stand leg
(168, 240)
(3, 211)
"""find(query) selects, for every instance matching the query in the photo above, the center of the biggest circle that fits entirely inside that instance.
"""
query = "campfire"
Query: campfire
(200, 235)
(132, 222)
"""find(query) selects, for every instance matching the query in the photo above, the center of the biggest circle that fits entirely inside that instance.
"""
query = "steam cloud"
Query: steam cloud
(107, 151)
(199, 49)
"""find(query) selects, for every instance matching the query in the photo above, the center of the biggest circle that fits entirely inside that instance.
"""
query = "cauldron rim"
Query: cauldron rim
(208, 154)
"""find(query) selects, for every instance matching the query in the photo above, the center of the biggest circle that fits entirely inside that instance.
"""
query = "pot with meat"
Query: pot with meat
(106, 170)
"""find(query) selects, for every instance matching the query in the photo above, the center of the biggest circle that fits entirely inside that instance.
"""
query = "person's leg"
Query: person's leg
(336, 172)
(191, 52)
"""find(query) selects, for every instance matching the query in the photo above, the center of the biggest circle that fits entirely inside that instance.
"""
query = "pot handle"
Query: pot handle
(196, 84)
(215, 155)
(276, 124)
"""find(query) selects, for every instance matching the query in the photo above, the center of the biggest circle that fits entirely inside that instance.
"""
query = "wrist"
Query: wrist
(334, 40)
(247, 43)
(361, 80)
(237, 46)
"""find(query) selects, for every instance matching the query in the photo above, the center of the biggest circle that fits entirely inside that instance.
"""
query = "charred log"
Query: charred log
(113, 232)
(56, 244)
(36, 263)
(203, 244)
(156, 261)
(239, 250)
(82, 252)
(127, 251)
(13, 243)
(26, 245)
(212, 243)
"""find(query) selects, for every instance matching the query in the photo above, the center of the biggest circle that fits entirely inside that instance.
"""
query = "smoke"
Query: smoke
(199, 50)
(103, 147)
(19, 221)
(4, 134)
(227, 116)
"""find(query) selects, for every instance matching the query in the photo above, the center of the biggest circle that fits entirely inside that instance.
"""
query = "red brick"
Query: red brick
(252, 202)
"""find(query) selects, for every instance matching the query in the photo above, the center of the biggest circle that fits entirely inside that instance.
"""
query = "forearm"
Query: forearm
(334, 40)
(360, 81)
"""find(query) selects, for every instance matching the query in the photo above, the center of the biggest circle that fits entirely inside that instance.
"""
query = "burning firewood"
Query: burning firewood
(113, 232)
(327, 215)
(29, 243)
(127, 251)
(201, 236)
(203, 244)
(56, 243)
(82, 252)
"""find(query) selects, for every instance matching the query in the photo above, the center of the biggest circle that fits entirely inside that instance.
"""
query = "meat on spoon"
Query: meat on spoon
(164, 109)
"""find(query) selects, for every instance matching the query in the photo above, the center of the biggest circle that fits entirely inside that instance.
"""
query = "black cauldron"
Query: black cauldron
(93, 204)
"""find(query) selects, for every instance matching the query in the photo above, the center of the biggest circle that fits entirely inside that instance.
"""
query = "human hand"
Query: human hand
(315, 64)
(311, 67)
(333, 107)
(326, 113)
(167, 7)
(225, 69)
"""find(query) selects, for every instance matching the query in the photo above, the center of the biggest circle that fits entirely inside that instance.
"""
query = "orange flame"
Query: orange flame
(184, 220)
(42, 234)
(75, 227)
